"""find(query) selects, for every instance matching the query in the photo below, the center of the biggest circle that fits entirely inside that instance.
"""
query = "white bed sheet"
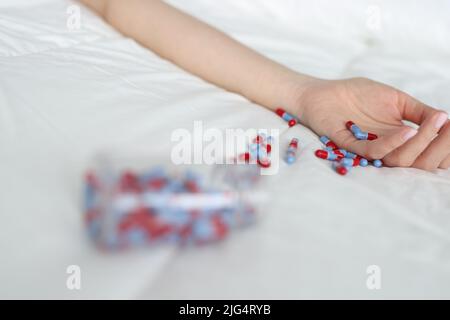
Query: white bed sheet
(65, 94)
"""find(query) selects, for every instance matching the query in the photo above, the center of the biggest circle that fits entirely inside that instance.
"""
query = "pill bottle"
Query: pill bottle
(133, 198)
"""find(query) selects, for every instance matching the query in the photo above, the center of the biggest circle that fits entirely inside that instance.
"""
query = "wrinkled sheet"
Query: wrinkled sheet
(66, 93)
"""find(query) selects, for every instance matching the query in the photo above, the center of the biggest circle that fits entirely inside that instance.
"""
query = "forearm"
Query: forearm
(203, 50)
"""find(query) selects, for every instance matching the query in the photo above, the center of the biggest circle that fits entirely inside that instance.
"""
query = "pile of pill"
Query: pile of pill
(289, 118)
(344, 160)
(133, 209)
(259, 151)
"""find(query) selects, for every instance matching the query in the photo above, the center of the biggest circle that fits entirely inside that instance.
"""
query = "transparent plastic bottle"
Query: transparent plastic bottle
(133, 199)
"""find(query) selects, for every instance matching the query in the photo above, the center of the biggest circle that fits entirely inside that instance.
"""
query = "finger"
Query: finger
(414, 110)
(375, 149)
(446, 163)
(405, 155)
(436, 152)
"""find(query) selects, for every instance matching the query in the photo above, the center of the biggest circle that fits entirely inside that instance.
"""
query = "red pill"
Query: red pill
(341, 170)
(327, 155)
(372, 136)
(292, 122)
(280, 112)
(349, 125)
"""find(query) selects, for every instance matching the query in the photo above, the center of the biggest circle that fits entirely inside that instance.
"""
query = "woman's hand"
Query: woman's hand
(325, 107)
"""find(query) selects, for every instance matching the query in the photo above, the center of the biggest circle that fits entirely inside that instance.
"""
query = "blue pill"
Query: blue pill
(377, 163)
(346, 162)
(363, 162)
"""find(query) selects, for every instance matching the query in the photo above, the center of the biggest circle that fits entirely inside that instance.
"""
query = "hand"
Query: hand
(325, 106)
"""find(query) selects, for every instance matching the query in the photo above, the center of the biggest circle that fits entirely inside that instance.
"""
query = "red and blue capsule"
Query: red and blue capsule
(358, 133)
(341, 168)
(328, 143)
(329, 155)
(289, 118)
(350, 162)
(291, 153)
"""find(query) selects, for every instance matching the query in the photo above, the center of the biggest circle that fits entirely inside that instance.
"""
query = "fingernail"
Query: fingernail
(408, 135)
(441, 120)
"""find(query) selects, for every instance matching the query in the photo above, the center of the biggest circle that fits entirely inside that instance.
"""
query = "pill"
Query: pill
(350, 162)
(340, 169)
(292, 122)
(291, 153)
(328, 143)
(363, 162)
(352, 127)
(338, 153)
(344, 152)
(351, 155)
(358, 133)
(365, 136)
(377, 163)
(290, 119)
(327, 155)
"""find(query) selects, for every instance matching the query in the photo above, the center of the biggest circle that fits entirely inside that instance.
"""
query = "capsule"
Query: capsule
(343, 151)
(351, 155)
(327, 155)
(340, 168)
(377, 163)
(352, 127)
(363, 162)
(350, 162)
(290, 119)
(292, 122)
(328, 143)
(365, 136)
(291, 153)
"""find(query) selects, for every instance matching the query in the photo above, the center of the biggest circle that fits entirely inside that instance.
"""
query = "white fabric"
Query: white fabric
(64, 94)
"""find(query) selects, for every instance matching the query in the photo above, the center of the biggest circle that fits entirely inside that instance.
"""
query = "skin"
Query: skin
(322, 105)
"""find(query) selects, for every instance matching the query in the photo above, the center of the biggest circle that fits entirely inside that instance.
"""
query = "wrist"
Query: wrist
(293, 99)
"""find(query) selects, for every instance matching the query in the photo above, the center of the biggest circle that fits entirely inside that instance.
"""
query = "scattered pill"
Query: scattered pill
(291, 153)
(327, 155)
(363, 162)
(289, 118)
(351, 155)
(352, 127)
(350, 162)
(328, 143)
(340, 168)
(358, 133)
(377, 163)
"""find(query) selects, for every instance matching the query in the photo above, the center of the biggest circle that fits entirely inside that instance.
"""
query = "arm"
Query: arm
(322, 105)
(202, 50)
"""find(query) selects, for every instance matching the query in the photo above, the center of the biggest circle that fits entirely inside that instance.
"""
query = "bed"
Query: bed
(66, 91)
